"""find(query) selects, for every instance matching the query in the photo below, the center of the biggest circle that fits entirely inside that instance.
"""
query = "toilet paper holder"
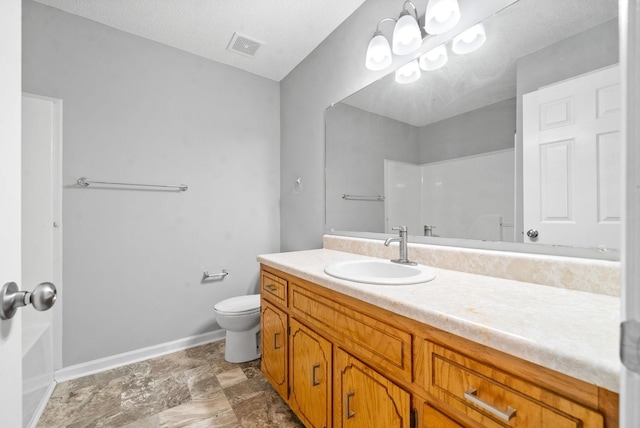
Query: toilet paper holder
(220, 275)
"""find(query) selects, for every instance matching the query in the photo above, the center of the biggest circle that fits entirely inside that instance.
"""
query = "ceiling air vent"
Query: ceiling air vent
(244, 45)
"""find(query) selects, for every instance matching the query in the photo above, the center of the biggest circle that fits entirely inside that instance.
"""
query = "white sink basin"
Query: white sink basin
(382, 272)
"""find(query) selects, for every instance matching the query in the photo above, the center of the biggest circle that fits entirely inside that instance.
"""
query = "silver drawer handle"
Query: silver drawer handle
(472, 395)
(270, 288)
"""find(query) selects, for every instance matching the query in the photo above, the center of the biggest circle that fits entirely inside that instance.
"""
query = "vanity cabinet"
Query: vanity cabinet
(341, 362)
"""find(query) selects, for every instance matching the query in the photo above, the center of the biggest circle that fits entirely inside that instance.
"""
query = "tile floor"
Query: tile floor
(191, 388)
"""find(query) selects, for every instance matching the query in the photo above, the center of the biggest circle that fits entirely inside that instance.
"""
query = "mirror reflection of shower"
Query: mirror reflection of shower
(467, 198)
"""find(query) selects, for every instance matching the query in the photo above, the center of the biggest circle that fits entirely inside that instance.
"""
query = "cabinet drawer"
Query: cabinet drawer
(387, 347)
(495, 398)
(274, 288)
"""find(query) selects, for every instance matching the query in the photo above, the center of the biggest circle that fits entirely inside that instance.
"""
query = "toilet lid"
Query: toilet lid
(239, 305)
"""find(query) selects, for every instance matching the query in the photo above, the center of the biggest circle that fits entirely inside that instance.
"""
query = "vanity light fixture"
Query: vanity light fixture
(408, 73)
(379, 52)
(407, 37)
(441, 16)
(469, 40)
(434, 59)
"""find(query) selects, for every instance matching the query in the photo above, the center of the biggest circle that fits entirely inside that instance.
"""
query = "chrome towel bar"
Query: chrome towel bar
(362, 198)
(85, 182)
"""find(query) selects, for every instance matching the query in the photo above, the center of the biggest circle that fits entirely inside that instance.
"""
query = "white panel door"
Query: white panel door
(10, 330)
(572, 175)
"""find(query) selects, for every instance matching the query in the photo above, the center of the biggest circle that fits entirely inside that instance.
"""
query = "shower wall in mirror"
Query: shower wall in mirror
(445, 152)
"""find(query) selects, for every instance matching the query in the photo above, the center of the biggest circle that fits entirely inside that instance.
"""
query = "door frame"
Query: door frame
(56, 167)
(630, 297)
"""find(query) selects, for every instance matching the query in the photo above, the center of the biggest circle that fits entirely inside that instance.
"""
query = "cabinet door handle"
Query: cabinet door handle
(270, 287)
(275, 340)
(472, 395)
(350, 413)
(314, 381)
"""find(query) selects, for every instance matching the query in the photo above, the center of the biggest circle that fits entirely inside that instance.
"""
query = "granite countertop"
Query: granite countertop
(572, 332)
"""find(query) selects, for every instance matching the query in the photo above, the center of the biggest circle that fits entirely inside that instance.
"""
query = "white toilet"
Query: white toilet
(240, 316)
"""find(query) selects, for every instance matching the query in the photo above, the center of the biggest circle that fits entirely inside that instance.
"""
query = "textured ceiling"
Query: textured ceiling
(289, 29)
(488, 75)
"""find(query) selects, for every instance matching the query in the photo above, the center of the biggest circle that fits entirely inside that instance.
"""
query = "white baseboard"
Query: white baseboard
(107, 363)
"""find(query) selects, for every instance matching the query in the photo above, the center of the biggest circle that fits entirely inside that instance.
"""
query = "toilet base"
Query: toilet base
(242, 346)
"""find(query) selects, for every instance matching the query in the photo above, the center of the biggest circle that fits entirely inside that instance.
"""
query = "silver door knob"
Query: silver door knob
(42, 298)
(532, 233)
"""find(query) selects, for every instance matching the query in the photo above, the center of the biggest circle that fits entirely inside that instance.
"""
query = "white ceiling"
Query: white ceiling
(289, 29)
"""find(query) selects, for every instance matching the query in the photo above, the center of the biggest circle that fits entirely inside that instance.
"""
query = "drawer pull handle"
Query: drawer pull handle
(314, 381)
(350, 413)
(472, 395)
(270, 288)
(275, 340)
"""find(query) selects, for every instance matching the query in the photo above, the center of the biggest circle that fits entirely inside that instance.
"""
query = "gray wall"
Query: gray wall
(334, 70)
(579, 54)
(486, 129)
(357, 143)
(139, 111)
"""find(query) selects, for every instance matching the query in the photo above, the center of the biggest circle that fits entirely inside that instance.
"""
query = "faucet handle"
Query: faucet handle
(400, 228)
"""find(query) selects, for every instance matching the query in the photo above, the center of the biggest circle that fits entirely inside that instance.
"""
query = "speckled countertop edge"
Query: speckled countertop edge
(572, 332)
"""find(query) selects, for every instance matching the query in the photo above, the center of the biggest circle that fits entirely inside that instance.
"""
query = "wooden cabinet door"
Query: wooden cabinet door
(364, 398)
(273, 324)
(432, 418)
(310, 376)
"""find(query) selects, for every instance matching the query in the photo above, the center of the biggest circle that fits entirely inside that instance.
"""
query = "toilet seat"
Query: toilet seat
(241, 305)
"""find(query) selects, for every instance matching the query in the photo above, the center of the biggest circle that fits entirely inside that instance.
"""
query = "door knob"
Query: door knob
(532, 233)
(11, 298)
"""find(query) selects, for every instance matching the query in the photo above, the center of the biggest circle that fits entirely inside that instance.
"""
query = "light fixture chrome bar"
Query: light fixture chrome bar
(362, 198)
(85, 182)
(384, 20)
(415, 9)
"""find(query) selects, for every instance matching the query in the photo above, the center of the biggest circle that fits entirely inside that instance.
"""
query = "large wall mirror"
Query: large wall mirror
(514, 146)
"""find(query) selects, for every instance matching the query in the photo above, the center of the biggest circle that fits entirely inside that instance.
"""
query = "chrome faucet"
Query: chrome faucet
(402, 241)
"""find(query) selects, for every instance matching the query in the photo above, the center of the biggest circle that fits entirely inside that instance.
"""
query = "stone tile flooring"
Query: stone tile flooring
(191, 388)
